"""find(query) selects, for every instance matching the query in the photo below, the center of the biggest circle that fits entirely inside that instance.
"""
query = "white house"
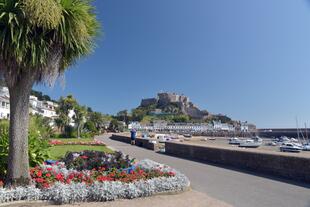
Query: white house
(134, 125)
(48, 109)
(218, 125)
(44, 108)
(71, 115)
(4, 107)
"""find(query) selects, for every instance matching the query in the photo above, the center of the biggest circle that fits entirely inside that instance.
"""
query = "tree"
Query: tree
(180, 118)
(39, 39)
(123, 116)
(65, 105)
(79, 118)
(138, 114)
(116, 126)
(97, 119)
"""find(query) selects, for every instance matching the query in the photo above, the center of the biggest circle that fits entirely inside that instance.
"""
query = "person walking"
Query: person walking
(133, 134)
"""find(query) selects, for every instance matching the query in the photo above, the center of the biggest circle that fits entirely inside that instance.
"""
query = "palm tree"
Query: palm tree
(39, 39)
(79, 118)
(65, 105)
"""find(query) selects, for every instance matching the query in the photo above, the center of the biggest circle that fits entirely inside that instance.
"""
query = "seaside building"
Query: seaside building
(4, 107)
(44, 108)
(219, 126)
(162, 126)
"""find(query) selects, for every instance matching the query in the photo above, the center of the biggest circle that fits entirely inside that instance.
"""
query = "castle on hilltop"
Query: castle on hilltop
(182, 102)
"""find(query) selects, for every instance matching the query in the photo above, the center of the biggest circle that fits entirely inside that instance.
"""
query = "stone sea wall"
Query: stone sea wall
(286, 166)
(145, 143)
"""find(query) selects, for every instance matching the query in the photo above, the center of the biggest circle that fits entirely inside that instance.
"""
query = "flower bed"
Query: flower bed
(89, 143)
(72, 181)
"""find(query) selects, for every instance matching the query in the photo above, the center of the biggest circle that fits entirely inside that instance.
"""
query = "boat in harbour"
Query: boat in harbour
(290, 147)
(235, 141)
(250, 143)
(306, 147)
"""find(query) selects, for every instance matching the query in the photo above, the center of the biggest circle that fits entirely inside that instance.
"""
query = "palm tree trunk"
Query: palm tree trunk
(78, 131)
(18, 165)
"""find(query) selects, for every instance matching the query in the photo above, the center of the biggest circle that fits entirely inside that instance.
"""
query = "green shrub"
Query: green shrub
(4, 147)
(87, 135)
(42, 125)
(38, 147)
(70, 132)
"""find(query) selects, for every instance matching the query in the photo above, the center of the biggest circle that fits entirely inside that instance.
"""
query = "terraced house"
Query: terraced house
(44, 108)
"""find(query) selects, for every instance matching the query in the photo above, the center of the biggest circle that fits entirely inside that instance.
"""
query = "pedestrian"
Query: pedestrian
(133, 134)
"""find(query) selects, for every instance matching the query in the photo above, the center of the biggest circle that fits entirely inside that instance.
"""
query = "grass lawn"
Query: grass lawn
(58, 152)
(74, 139)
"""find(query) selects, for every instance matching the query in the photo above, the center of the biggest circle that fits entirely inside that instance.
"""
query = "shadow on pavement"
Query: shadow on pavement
(272, 177)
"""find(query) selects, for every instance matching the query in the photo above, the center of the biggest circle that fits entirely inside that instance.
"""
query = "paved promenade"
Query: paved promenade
(237, 188)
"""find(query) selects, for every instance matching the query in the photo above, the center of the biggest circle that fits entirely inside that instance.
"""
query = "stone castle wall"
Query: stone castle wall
(164, 99)
(148, 101)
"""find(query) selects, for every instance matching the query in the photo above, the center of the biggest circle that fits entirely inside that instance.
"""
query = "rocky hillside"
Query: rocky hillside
(171, 103)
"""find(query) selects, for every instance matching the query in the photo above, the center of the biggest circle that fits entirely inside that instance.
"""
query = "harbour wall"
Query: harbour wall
(140, 142)
(289, 132)
(285, 166)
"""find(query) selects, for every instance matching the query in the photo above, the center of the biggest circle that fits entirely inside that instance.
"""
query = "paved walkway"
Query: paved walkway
(186, 199)
(237, 188)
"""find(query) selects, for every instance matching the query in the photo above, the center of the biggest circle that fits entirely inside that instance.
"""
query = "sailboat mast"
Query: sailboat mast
(307, 139)
(297, 129)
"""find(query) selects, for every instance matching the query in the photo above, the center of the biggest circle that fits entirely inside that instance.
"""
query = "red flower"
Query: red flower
(68, 181)
(84, 157)
(59, 177)
(40, 180)
(39, 173)
(171, 173)
(48, 175)
(49, 169)
(71, 176)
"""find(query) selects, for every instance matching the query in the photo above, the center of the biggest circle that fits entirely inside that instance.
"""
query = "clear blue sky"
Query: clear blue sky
(248, 59)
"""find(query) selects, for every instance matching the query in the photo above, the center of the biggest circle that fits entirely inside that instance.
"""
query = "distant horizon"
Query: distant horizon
(249, 60)
(293, 127)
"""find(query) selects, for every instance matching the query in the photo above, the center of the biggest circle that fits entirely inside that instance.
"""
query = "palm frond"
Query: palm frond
(45, 36)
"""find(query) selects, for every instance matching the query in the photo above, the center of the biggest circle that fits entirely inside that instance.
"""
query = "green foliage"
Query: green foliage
(79, 117)
(180, 118)
(87, 122)
(172, 108)
(116, 126)
(139, 113)
(41, 125)
(58, 152)
(43, 13)
(38, 146)
(123, 116)
(69, 132)
(31, 29)
(41, 96)
(221, 118)
(4, 147)
(90, 126)
(65, 104)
